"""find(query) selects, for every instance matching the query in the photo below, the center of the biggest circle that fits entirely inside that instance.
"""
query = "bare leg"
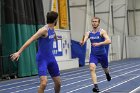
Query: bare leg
(92, 67)
(43, 84)
(57, 83)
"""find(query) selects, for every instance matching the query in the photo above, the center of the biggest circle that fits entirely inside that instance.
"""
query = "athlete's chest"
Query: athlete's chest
(94, 36)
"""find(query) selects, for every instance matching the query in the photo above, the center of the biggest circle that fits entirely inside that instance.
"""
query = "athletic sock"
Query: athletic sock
(95, 89)
(95, 85)
(108, 77)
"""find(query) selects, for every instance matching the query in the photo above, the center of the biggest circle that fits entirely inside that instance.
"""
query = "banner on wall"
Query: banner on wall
(63, 14)
(57, 46)
(54, 7)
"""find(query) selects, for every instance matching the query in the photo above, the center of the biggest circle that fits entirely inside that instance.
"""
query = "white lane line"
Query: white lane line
(120, 65)
(62, 76)
(135, 90)
(102, 81)
(35, 79)
(62, 79)
(78, 81)
(120, 84)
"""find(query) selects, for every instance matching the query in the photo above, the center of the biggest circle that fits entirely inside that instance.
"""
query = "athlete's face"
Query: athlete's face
(95, 23)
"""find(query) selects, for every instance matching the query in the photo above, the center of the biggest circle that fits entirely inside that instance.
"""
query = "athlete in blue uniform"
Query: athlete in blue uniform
(45, 58)
(98, 38)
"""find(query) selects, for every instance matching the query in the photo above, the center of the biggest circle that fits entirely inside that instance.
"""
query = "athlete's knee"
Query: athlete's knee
(43, 83)
(92, 68)
(57, 83)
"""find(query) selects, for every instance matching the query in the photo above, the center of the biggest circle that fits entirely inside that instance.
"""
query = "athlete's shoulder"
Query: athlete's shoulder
(88, 32)
(42, 31)
(103, 31)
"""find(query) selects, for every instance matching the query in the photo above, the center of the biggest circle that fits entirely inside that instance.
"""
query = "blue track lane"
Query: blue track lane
(125, 78)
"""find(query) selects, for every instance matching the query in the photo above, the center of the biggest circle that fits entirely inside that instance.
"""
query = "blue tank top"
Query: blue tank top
(96, 38)
(45, 45)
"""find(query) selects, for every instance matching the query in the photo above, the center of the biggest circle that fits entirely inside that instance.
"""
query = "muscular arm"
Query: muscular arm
(107, 39)
(85, 38)
(39, 33)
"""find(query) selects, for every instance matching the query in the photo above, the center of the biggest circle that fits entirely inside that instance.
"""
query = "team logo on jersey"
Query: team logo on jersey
(51, 36)
(96, 37)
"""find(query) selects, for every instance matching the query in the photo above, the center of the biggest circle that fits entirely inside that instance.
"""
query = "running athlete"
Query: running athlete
(98, 38)
(45, 58)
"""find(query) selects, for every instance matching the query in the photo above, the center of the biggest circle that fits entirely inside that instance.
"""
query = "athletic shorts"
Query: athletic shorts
(102, 59)
(48, 65)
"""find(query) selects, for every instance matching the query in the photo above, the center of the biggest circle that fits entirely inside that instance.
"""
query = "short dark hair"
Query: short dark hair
(51, 17)
(96, 18)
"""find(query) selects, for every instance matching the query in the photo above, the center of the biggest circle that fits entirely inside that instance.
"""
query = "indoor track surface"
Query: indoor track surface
(125, 79)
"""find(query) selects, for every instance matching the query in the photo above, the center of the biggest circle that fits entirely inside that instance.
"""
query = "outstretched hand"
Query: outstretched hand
(15, 56)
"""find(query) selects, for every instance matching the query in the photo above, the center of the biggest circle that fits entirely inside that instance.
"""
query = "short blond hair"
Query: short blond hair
(96, 18)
